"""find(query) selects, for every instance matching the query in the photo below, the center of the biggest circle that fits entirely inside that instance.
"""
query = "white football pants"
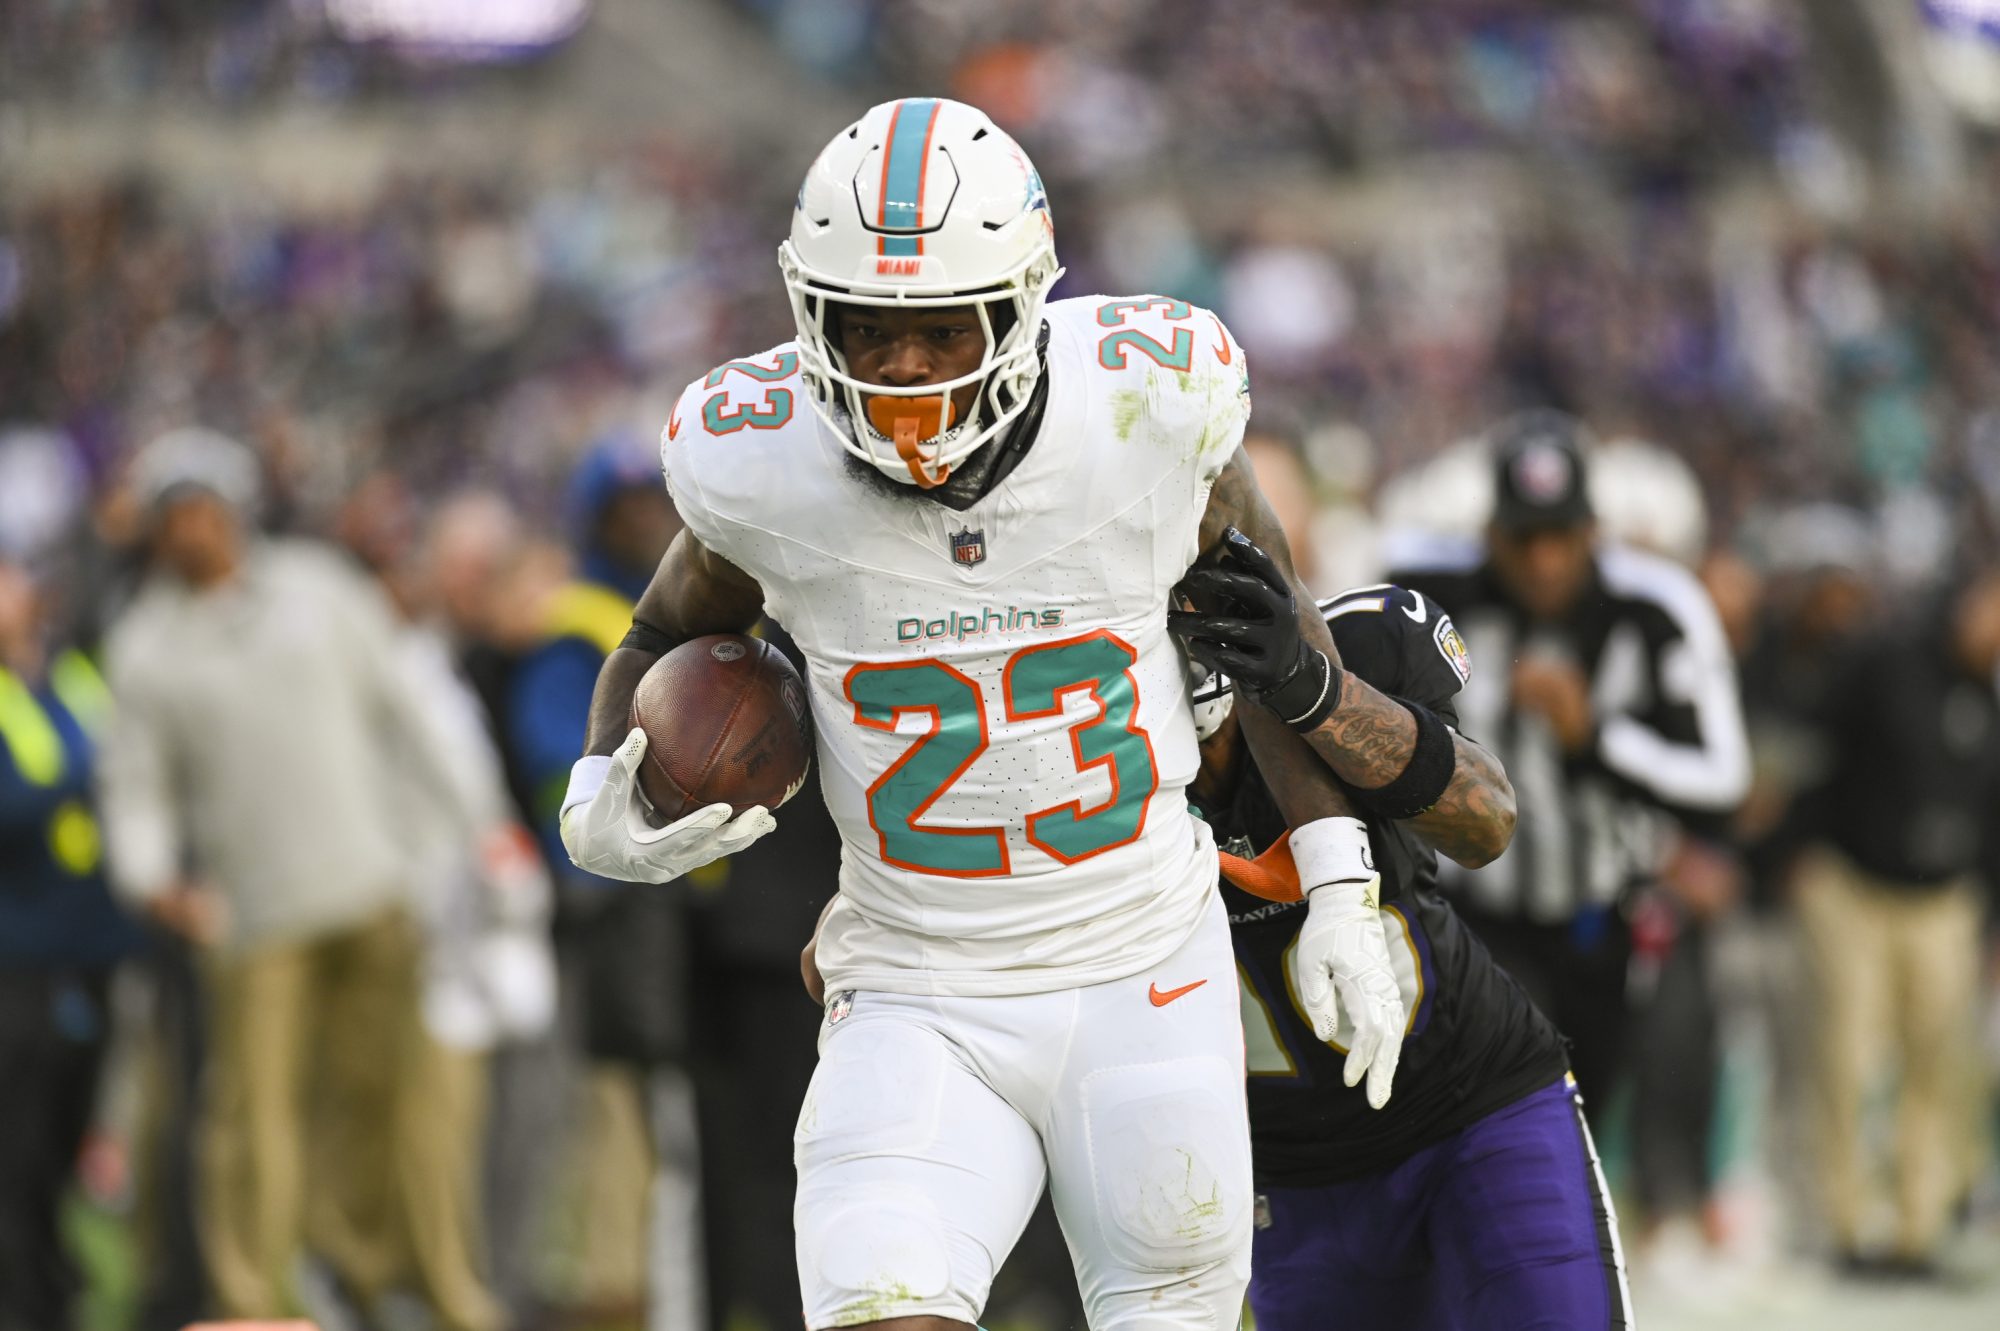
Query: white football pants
(932, 1123)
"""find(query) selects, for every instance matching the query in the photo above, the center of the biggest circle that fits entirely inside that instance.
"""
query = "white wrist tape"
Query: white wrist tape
(1332, 851)
(584, 779)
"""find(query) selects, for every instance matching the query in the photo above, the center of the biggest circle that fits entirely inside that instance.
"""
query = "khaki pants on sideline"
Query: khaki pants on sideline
(595, 1257)
(314, 1129)
(442, 1120)
(1896, 971)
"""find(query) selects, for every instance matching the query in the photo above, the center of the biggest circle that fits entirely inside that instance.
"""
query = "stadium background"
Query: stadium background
(407, 250)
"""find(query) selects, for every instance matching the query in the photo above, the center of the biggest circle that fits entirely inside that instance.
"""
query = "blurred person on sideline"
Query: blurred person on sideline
(475, 550)
(484, 584)
(489, 970)
(621, 520)
(1815, 561)
(1678, 1016)
(61, 936)
(1619, 724)
(1900, 830)
(1817, 598)
(624, 953)
(261, 726)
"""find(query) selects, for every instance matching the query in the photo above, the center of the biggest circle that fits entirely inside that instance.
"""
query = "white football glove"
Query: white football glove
(605, 831)
(1341, 964)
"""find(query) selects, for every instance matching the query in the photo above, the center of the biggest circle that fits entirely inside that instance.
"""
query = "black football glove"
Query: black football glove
(1245, 624)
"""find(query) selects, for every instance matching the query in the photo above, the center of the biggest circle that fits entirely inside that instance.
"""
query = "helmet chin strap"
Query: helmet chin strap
(907, 422)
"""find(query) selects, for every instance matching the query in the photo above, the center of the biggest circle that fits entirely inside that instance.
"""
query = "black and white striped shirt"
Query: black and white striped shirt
(1668, 748)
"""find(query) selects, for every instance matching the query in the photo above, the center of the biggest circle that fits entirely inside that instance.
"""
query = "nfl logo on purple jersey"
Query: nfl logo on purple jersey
(968, 547)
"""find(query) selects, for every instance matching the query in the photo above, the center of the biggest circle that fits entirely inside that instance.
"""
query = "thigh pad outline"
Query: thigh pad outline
(1169, 1160)
(878, 1090)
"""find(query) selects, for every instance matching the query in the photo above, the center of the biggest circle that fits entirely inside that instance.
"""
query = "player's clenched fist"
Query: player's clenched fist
(1341, 965)
(605, 831)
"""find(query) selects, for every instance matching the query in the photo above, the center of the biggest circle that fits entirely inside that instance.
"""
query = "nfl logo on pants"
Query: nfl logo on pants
(968, 547)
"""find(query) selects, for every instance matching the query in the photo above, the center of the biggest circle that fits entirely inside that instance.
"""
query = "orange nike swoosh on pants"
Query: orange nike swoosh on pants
(1162, 999)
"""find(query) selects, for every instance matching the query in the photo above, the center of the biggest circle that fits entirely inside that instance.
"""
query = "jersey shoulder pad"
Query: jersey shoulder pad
(728, 434)
(1166, 368)
(1400, 641)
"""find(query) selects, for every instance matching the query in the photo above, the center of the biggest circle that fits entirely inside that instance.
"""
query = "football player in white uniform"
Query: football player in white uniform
(969, 508)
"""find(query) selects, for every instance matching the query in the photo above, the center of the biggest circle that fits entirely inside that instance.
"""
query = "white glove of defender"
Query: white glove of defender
(605, 831)
(1341, 964)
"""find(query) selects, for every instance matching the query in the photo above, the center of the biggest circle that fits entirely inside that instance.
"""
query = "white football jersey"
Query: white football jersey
(1003, 724)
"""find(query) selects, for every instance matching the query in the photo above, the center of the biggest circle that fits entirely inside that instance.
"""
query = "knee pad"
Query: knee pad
(1170, 1162)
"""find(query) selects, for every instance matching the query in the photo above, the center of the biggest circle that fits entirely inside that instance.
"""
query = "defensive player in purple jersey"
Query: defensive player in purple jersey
(1474, 1202)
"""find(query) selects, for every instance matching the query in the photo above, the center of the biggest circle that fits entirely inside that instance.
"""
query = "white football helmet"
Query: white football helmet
(922, 204)
(1212, 695)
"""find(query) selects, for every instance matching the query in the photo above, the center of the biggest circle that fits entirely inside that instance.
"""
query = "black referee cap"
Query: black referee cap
(1539, 476)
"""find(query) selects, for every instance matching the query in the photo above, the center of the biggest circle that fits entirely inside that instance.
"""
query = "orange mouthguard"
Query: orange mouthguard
(908, 421)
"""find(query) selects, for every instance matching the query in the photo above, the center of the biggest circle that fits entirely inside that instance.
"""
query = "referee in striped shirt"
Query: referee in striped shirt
(1612, 701)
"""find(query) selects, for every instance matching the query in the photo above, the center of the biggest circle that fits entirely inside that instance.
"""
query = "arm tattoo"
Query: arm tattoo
(694, 591)
(1369, 738)
(1299, 782)
(1473, 821)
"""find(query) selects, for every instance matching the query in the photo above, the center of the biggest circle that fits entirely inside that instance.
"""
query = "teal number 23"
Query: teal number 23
(1034, 683)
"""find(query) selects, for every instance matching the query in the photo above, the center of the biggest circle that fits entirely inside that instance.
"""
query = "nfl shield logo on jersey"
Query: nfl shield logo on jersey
(968, 547)
(838, 1006)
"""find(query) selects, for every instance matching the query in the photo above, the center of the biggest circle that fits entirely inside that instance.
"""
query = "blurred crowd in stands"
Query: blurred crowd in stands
(1653, 89)
(1415, 219)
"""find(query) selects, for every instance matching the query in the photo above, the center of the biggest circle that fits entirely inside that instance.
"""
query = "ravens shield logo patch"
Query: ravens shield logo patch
(1452, 647)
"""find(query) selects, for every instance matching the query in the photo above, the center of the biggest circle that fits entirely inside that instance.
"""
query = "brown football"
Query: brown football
(726, 722)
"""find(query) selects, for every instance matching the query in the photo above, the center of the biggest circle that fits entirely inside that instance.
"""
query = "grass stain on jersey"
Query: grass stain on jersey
(1128, 408)
(1227, 412)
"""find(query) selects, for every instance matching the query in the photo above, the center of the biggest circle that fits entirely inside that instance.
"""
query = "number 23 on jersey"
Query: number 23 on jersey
(1034, 684)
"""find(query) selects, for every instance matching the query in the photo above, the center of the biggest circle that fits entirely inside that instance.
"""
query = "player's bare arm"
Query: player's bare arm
(1369, 738)
(1473, 821)
(604, 822)
(1299, 781)
(1291, 768)
(1283, 654)
(1365, 735)
(1236, 502)
(693, 592)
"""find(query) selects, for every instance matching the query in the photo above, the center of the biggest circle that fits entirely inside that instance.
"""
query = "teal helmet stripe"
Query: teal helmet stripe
(903, 175)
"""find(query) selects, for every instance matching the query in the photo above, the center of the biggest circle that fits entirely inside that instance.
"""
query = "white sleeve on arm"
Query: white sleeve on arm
(1712, 773)
(138, 809)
